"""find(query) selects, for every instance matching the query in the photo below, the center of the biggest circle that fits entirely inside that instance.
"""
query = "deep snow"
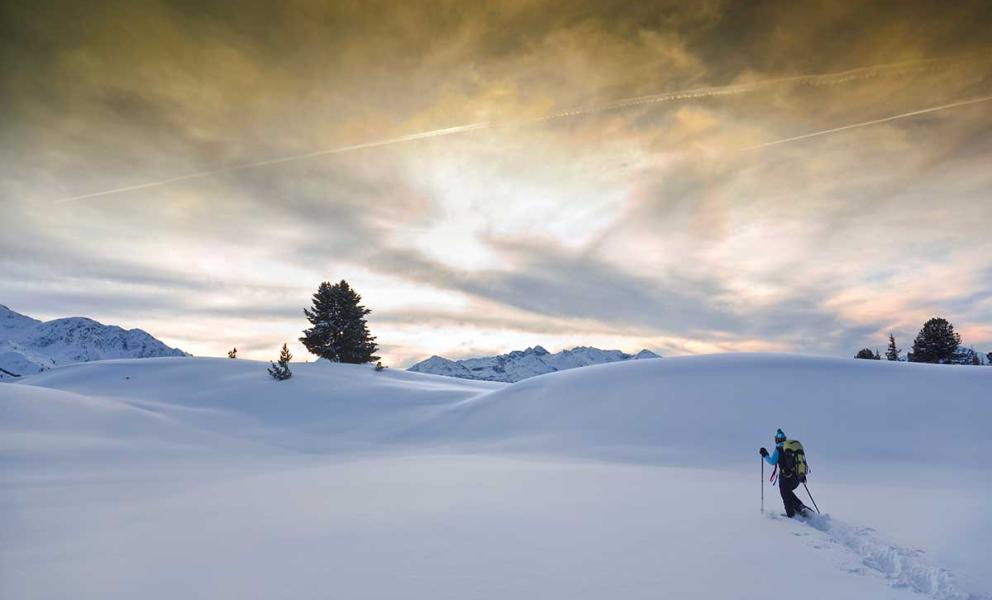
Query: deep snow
(203, 478)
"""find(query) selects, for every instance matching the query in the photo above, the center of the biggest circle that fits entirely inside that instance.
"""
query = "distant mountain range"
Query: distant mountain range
(29, 346)
(521, 364)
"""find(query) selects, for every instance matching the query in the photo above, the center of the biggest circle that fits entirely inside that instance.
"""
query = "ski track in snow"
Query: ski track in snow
(903, 567)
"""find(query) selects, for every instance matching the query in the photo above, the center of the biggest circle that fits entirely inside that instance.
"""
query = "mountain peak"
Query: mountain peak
(11, 319)
(521, 364)
(28, 345)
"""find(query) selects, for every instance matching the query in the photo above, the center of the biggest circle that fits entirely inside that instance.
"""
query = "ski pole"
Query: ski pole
(762, 459)
(811, 498)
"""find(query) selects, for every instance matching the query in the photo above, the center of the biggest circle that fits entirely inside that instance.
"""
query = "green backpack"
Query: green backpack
(792, 460)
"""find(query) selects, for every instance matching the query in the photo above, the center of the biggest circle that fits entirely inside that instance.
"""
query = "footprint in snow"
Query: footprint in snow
(903, 567)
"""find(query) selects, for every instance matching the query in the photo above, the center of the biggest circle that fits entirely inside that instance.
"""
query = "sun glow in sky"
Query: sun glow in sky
(666, 223)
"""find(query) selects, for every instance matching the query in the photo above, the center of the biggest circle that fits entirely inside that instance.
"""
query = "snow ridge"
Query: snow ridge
(30, 346)
(522, 364)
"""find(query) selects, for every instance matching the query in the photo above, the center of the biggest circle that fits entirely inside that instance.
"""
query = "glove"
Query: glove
(763, 452)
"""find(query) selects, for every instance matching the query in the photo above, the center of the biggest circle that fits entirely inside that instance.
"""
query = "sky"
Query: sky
(496, 175)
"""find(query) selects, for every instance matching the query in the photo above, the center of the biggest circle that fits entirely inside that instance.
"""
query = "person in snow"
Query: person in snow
(789, 476)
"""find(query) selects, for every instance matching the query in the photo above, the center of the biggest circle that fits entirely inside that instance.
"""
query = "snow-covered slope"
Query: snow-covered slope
(711, 409)
(651, 411)
(521, 364)
(204, 478)
(29, 346)
(323, 407)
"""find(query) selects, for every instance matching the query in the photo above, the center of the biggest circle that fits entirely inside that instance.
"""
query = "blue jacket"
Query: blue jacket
(773, 457)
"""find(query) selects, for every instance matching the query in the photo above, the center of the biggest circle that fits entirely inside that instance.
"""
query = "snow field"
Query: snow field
(202, 478)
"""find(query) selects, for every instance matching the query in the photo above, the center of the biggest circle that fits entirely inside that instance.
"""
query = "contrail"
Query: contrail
(821, 79)
(284, 159)
(705, 92)
(914, 113)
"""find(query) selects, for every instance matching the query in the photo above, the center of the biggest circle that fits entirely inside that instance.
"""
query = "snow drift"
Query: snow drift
(705, 410)
(715, 409)
(323, 407)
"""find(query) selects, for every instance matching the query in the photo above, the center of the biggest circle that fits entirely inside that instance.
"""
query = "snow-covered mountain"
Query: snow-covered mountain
(521, 364)
(29, 346)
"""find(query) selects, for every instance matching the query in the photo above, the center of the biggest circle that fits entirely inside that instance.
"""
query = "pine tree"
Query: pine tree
(339, 332)
(280, 371)
(866, 353)
(936, 342)
(988, 356)
(965, 356)
(893, 352)
(232, 353)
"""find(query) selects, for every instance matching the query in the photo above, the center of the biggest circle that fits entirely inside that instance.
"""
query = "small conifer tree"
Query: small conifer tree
(280, 370)
(893, 351)
(867, 354)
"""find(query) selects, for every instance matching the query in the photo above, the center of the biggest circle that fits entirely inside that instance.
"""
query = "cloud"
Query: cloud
(645, 221)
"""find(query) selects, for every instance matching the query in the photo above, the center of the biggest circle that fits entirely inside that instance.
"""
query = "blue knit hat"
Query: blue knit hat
(779, 436)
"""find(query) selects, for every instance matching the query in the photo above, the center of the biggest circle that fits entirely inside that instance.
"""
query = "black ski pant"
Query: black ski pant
(787, 486)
